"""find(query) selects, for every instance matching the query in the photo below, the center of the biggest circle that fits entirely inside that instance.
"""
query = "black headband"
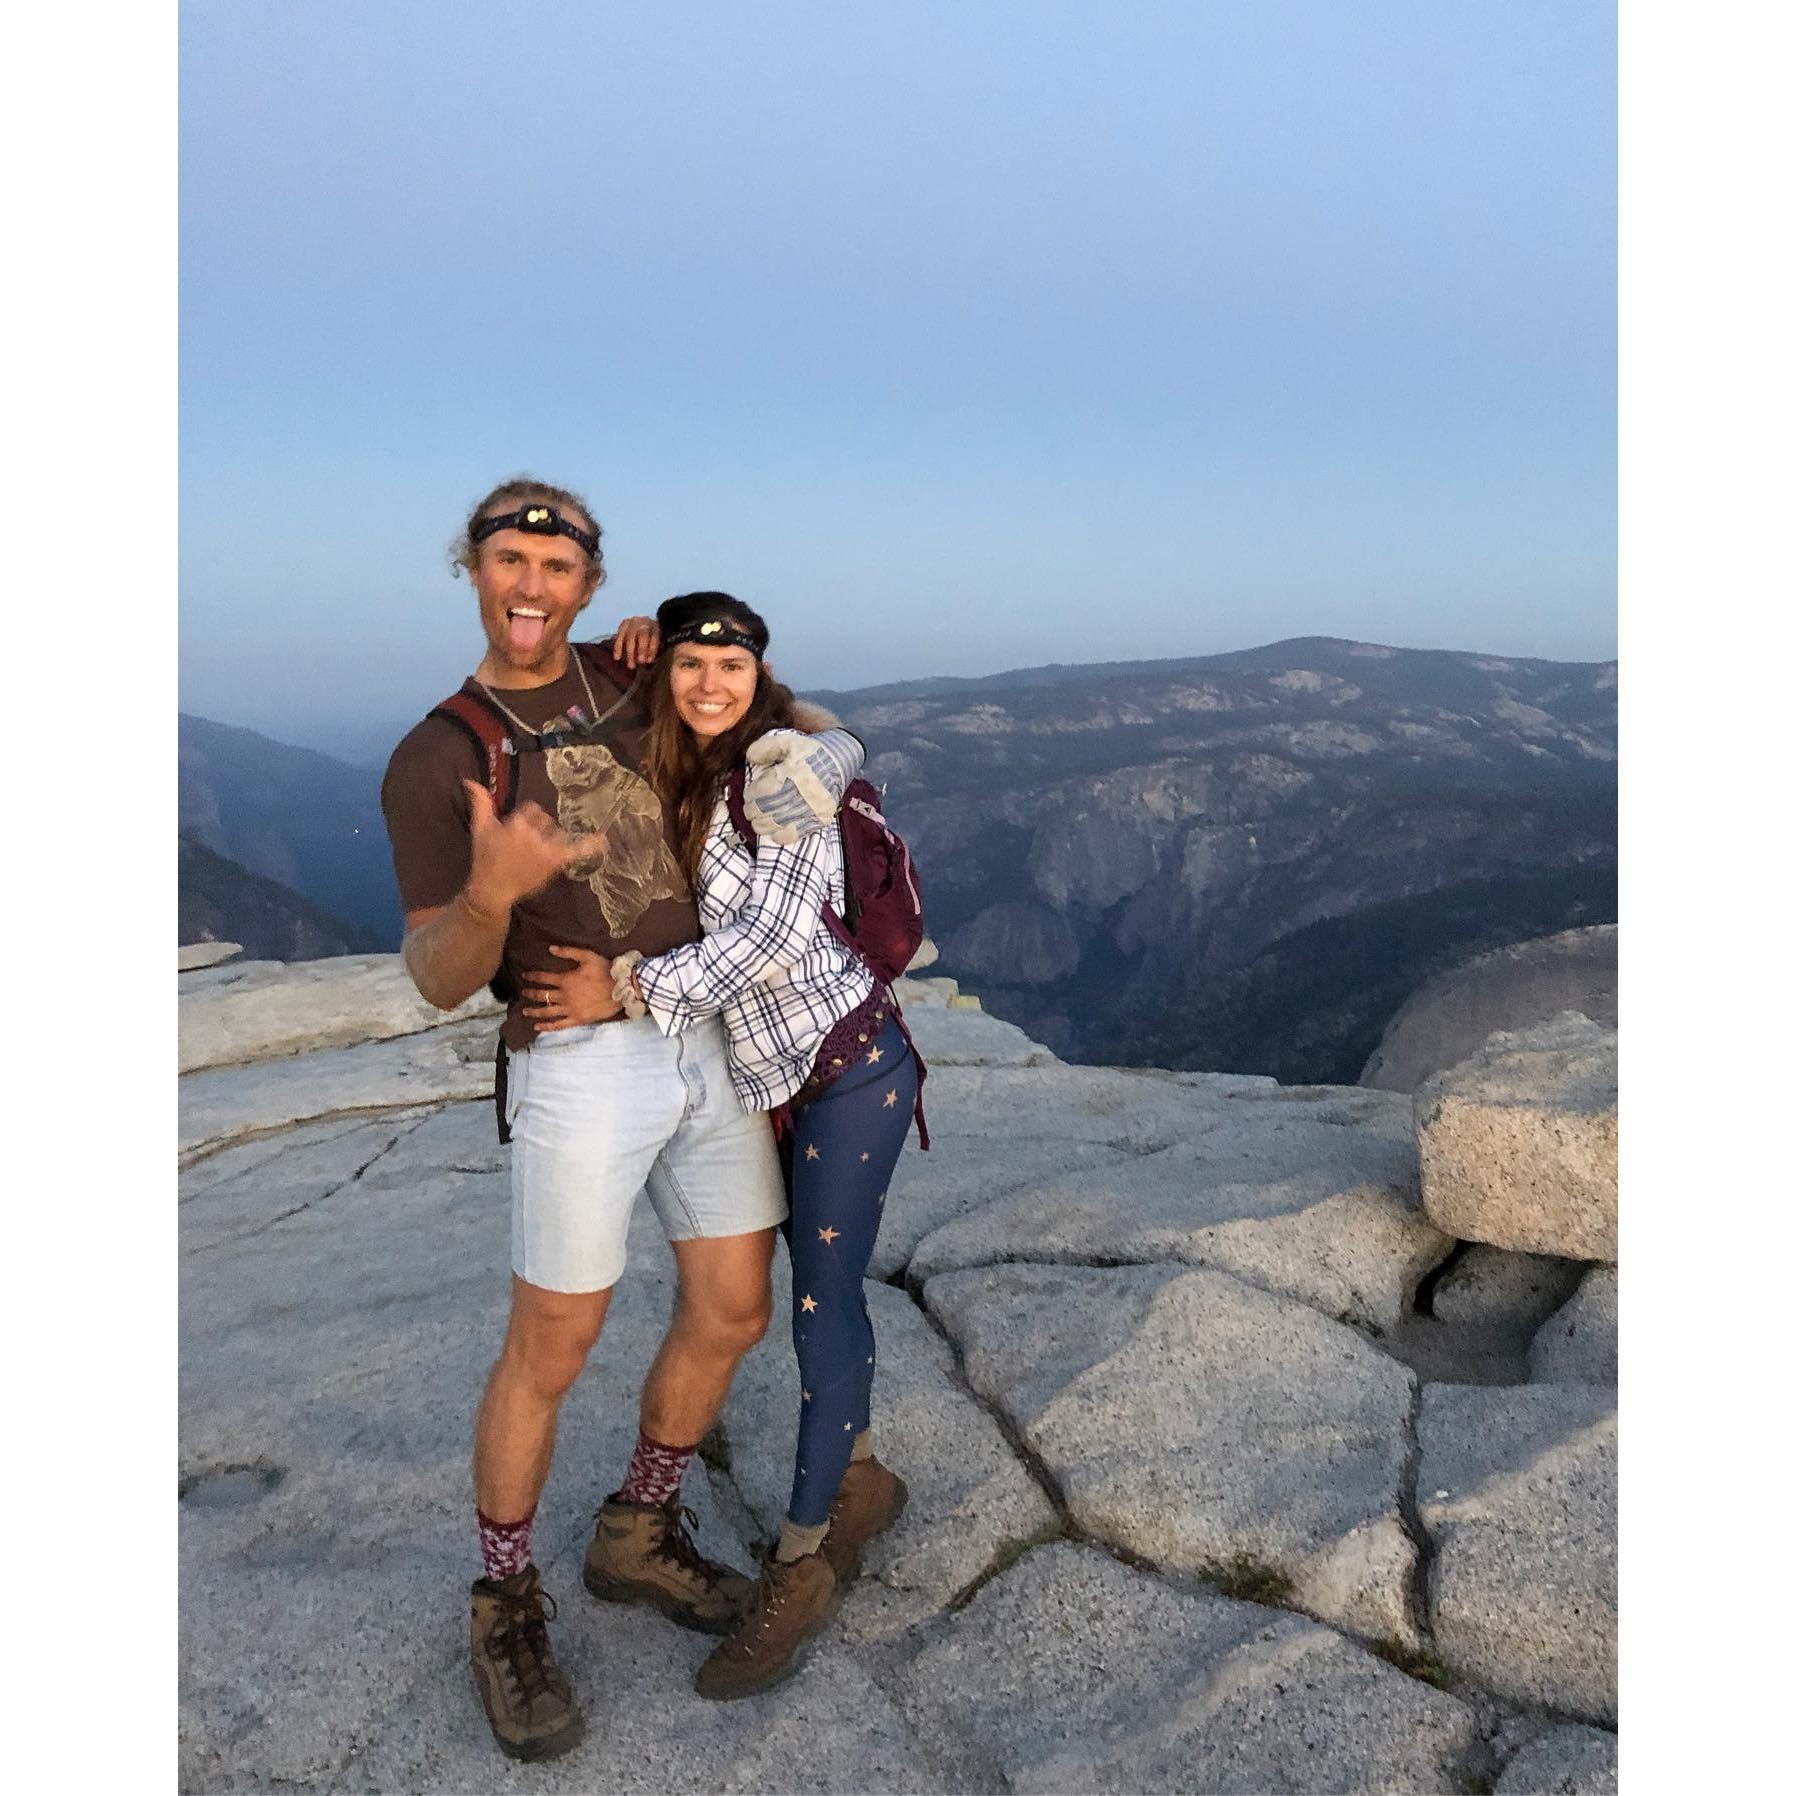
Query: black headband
(713, 632)
(539, 520)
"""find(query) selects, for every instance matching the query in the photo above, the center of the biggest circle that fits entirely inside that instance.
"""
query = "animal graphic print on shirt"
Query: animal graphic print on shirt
(630, 865)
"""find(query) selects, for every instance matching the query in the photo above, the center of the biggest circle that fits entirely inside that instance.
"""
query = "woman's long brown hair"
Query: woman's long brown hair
(688, 771)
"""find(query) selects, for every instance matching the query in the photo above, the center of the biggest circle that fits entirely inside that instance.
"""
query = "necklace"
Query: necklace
(592, 704)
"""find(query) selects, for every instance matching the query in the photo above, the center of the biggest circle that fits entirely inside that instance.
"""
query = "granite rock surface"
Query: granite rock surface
(1120, 1312)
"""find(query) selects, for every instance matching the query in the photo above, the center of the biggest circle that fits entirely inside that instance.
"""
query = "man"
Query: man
(581, 866)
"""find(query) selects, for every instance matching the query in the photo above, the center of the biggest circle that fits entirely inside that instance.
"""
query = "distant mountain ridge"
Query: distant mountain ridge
(223, 902)
(1241, 862)
(292, 815)
(1245, 862)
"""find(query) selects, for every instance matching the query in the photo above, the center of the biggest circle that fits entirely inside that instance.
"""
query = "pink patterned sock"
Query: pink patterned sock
(505, 1546)
(655, 1471)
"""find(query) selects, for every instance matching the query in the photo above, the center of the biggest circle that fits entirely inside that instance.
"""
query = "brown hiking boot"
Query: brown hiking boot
(871, 1498)
(793, 1603)
(641, 1553)
(528, 1702)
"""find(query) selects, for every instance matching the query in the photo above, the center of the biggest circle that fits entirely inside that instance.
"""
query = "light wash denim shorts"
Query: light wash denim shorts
(601, 1113)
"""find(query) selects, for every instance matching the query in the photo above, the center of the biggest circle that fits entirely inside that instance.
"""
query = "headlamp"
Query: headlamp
(539, 520)
(713, 632)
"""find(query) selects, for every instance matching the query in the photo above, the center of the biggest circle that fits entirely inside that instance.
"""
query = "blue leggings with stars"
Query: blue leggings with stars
(838, 1160)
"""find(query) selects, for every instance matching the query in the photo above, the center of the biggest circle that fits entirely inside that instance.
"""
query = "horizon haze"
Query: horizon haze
(952, 341)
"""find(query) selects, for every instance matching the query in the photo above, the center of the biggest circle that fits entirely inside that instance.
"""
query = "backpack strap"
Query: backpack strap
(733, 789)
(491, 736)
(492, 733)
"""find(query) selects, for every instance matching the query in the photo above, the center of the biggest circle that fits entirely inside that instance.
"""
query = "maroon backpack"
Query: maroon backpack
(882, 918)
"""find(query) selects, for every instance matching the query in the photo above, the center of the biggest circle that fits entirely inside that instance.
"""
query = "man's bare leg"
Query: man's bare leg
(640, 1550)
(724, 1304)
(546, 1343)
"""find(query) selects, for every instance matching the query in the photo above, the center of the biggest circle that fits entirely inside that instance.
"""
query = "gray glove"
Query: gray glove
(796, 781)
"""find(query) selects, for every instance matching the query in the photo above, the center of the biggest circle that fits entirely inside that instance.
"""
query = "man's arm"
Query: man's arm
(452, 950)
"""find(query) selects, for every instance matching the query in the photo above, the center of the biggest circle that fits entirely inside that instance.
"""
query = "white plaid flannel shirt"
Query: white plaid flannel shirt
(766, 963)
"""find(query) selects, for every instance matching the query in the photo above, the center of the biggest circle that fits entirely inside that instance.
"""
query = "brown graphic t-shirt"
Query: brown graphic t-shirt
(627, 893)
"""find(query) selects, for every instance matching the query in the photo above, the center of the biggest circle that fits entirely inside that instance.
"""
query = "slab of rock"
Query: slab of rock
(331, 1361)
(999, 1129)
(1206, 1425)
(914, 994)
(1578, 1345)
(197, 955)
(954, 1036)
(1488, 1288)
(1315, 1199)
(832, 1729)
(1516, 1489)
(970, 1496)
(262, 1009)
(1510, 988)
(1518, 1142)
(245, 1189)
(223, 1104)
(1564, 1761)
(1073, 1673)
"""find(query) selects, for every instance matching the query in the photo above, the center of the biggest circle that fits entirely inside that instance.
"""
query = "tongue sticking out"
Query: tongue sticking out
(525, 632)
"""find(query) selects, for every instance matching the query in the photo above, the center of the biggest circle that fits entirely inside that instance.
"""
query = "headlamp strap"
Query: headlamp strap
(713, 632)
(539, 520)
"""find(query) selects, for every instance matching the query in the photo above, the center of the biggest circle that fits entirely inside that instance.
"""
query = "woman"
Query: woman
(815, 1038)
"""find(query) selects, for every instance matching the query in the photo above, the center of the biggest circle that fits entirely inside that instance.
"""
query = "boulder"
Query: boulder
(1518, 1142)
(1516, 1489)
(1578, 1345)
(1509, 1293)
(1313, 1196)
(261, 1009)
(1511, 989)
(1564, 1761)
(1207, 1426)
(1073, 1673)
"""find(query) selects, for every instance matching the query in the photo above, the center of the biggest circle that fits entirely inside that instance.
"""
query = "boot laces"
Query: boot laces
(677, 1545)
(520, 1640)
(770, 1598)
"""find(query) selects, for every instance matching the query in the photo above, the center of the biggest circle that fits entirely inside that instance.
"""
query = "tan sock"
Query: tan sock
(799, 1543)
(863, 1446)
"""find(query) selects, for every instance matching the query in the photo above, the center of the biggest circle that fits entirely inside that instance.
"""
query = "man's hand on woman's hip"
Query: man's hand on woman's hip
(566, 1000)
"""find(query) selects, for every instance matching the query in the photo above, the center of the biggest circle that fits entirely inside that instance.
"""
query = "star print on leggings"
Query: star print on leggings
(891, 1097)
(810, 1303)
(828, 1236)
(810, 1152)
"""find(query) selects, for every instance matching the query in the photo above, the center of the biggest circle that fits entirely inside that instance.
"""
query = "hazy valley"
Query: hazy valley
(1239, 862)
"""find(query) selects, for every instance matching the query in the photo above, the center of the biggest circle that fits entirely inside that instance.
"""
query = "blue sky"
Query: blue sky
(953, 337)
